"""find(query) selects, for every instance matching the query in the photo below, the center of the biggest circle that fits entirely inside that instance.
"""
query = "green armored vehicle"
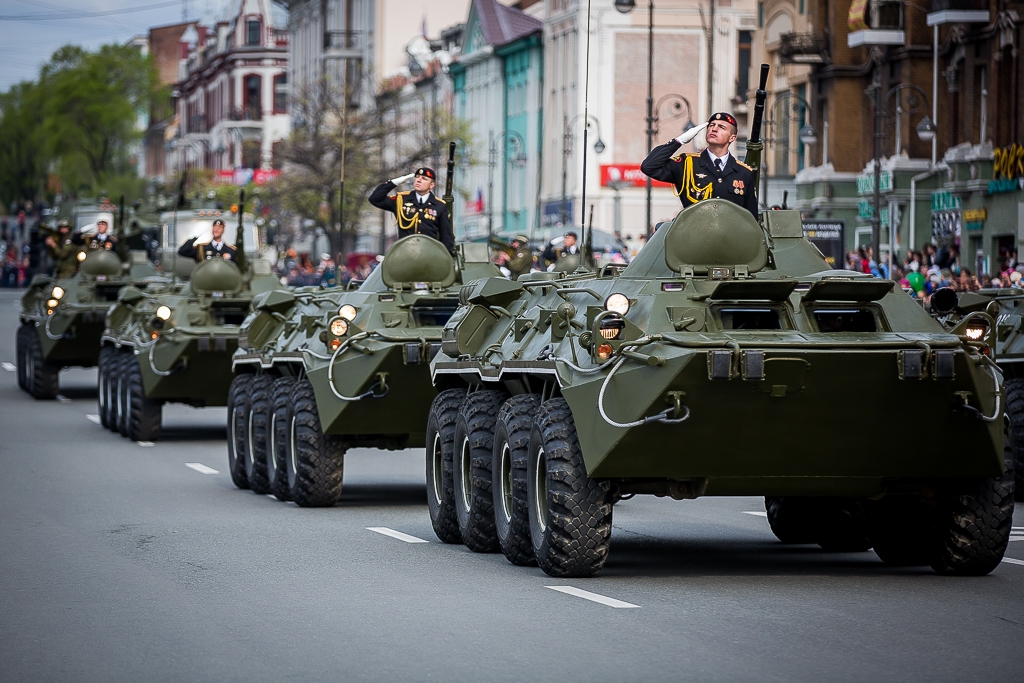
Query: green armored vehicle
(62, 318)
(727, 359)
(320, 371)
(174, 343)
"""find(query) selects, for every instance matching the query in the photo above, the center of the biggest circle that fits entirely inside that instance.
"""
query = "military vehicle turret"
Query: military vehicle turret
(62, 319)
(320, 371)
(174, 343)
(727, 359)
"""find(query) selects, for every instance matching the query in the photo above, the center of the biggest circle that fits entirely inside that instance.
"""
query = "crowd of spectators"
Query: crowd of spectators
(298, 270)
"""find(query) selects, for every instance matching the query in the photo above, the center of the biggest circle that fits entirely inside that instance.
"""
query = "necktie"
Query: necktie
(718, 165)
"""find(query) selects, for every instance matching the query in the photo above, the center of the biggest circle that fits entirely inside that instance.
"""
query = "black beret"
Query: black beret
(723, 116)
(426, 172)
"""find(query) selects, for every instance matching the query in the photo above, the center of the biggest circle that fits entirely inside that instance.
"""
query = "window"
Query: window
(750, 319)
(743, 79)
(760, 15)
(281, 94)
(252, 32)
(852, 320)
(251, 95)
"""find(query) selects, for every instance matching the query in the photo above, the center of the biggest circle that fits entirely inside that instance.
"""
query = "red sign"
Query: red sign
(629, 173)
(243, 176)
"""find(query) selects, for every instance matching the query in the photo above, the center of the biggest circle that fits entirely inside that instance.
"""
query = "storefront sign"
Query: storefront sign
(829, 237)
(944, 200)
(866, 211)
(866, 183)
(554, 214)
(629, 173)
(1009, 161)
(975, 215)
(1004, 185)
(244, 176)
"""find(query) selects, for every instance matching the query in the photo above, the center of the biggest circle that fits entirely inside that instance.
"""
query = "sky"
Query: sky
(32, 30)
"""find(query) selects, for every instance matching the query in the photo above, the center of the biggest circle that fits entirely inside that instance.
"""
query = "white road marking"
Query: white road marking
(61, 398)
(395, 534)
(755, 513)
(1016, 538)
(1010, 560)
(201, 468)
(271, 496)
(95, 419)
(594, 597)
(9, 367)
(146, 444)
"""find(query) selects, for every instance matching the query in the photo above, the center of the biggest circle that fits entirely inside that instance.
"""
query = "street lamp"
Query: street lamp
(492, 160)
(567, 139)
(795, 105)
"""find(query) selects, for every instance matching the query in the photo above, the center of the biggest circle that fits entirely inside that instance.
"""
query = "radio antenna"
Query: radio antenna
(586, 125)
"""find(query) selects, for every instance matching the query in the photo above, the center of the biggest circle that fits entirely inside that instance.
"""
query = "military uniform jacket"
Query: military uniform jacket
(206, 250)
(695, 177)
(520, 263)
(96, 241)
(429, 218)
(65, 254)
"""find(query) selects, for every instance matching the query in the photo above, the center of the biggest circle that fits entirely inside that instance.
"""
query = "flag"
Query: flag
(423, 31)
(476, 205)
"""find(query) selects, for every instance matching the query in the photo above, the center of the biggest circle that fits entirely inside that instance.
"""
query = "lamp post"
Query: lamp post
(492, 160)
(567, 139)
(808, 136)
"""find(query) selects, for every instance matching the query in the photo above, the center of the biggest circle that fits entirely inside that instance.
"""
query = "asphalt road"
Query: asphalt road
(134, 562)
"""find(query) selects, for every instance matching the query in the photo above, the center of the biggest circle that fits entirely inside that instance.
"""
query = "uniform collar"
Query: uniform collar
(725, 159)
(421, 199)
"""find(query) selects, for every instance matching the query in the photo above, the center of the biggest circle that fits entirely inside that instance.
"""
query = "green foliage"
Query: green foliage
(21, 163)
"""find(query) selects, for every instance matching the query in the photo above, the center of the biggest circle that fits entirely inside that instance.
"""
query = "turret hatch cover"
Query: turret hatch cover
(418, 258)
(715, 232)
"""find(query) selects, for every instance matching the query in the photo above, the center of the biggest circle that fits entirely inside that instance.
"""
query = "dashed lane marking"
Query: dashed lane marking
(146, 444)
(61, 398)
(201, 468)
(395, 534)
(593, 597)
(1010, 560)
(9, 367)
(756, 513)
(95, 419)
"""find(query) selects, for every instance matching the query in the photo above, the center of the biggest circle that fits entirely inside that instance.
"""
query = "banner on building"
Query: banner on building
(857, 19)
(830, 238)
(627, 173)
(556, 213)
(244, 176)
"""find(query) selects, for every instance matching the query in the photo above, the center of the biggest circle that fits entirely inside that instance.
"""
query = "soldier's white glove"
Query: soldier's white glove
(402, 179)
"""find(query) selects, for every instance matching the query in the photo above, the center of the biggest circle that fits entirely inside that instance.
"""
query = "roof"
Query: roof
(502, 25)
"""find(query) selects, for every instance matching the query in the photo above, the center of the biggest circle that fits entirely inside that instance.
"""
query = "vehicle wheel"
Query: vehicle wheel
(238, 410)
(791, 519)
(44, 377)
(316, 461)
(835, 524)
(21, 345)
(256, 437)
(901, 529)
(974, 522)
(570, 513)
(125, 358)
(102, 379)
(111, 375)
(471, 474)
(143, 418)
(444, 411)
(511, 451)
(277, 437)
(1015, 411)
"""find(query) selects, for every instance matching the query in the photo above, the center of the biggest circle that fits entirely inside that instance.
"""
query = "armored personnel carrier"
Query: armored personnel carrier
(174, 343)
(727, 359)
(320, 371)
(62, 319)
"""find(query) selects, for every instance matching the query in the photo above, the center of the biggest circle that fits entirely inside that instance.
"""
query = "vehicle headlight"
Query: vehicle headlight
(57, 292)
(348, 312)
(617, 303)
(163, 312)
(52, 303)
(339, 326)
(81, 256)
(611, 327)
(975, 332)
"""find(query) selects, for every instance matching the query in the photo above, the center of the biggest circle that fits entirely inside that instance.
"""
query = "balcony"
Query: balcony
(803, 48)
(343, 44)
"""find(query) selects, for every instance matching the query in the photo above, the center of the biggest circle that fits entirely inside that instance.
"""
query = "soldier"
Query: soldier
(569, 247)
(101, 239)
(63, 250)
(417, 211)
(522, 258)
(713, 173)
(215, 248)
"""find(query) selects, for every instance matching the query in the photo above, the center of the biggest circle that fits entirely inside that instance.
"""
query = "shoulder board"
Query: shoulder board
(744, 165)
(438, 199)
(693, 154)
(406, 193)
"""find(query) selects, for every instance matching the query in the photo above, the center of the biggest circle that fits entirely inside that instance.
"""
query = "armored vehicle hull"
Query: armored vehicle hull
(321, 371)
(62, 320)
(725, 360)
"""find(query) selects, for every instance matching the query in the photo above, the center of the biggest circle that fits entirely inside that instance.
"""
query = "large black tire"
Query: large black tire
(277, 436)
(43, 376)
(256, 437)
(1014, 389)
(238, 411)
(474, 449)
(113, 366)
(316, 460)
(836, 524)
(107, 353)
(21, 345)
(570, 513)
(974, 522)
(444, 411)
(125, 359)
(143, 420)
(511, 451)
(901, 529)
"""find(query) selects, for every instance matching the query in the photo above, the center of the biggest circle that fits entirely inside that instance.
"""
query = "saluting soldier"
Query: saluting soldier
(63, 250)
(101, 239)
(522, 258)
(713, 173)
(569, 248)
(215, 248)
(417, 211)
